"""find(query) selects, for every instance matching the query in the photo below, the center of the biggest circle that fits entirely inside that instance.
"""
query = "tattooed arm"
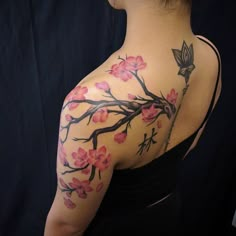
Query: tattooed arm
(84, 165)
(95, 118)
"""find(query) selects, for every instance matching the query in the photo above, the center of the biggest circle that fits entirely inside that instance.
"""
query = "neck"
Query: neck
(146, 26)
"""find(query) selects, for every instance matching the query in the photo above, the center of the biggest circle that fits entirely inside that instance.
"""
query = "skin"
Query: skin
(106, 126)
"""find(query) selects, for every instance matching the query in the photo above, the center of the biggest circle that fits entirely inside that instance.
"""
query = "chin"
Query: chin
(117, 4)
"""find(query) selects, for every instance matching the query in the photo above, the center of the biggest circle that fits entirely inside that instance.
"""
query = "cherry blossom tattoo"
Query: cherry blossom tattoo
(185, 61)
(92, 163)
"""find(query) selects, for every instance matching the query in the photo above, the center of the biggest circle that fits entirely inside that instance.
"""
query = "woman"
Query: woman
(125, 127)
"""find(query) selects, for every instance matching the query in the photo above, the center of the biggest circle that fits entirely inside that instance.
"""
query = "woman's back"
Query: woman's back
(158, 74)
(126, 126)
(144, 184)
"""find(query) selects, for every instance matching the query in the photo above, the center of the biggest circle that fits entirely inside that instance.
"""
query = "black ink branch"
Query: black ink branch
(150, 108)
(185, 61)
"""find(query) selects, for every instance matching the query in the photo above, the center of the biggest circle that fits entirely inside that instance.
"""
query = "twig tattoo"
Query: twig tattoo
(185, 61)
(93, 162)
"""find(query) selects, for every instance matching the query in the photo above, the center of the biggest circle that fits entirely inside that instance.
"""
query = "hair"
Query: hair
(171, 3)
(167, 4)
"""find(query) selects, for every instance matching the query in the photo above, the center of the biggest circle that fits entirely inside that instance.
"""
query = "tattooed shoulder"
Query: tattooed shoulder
(148, 106)
(104, 120)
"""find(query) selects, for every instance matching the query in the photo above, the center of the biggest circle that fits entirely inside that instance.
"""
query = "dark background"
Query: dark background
(46, 48)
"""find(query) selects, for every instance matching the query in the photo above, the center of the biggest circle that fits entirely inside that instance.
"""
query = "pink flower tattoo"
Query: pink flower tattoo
(99, 187)
(100, 115)
(81, 187)
(86, 171)
(149, 114)
(80, 157)
(135, 63)
(120, 137)
(172, 96)
(63, 184)
(99, 158)
(76, 94)
(120, 71)
(69, 204)
(127, 66)
(68, 117)
(131, 97)
(103, 86)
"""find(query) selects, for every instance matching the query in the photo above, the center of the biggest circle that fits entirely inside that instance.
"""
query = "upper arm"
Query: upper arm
(84, 163)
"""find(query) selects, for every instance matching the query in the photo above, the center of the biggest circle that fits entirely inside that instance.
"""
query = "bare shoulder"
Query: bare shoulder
(117, 107)
(208, 42)
(211, 52)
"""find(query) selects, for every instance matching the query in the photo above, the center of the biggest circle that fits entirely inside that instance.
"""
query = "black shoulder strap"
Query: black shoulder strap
(217, 81)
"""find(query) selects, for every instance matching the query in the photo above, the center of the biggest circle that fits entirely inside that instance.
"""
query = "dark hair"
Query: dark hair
(167, 3)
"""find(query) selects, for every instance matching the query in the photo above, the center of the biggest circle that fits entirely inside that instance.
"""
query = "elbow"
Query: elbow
(55, 227)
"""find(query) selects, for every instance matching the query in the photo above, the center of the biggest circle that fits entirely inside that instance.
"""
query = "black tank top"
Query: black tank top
(143, 199)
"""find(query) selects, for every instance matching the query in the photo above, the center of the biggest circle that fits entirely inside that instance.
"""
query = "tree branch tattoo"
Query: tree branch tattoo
(148, 108)
(185, 61)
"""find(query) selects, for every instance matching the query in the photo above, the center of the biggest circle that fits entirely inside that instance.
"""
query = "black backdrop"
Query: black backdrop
(46, 48)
